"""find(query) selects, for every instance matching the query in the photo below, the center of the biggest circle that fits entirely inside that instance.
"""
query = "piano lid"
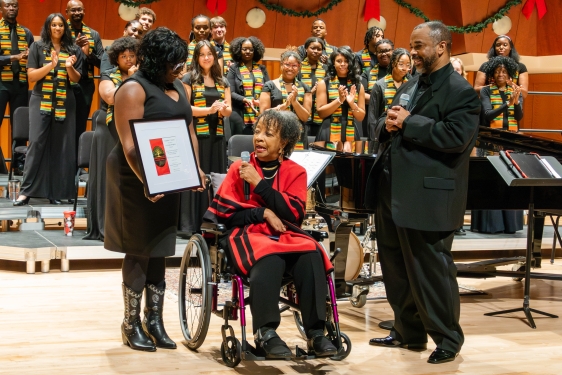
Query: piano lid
(492, 141)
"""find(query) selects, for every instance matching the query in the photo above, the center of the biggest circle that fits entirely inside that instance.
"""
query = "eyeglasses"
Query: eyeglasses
(384, 51)
(402, 65)
(247, 50)
(178, 66)
(289, 66)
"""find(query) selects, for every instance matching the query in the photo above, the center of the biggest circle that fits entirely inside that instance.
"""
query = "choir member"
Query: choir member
(246, 78)
(209, 95)
(459, 67)
(89, 41)
(53, 63)
(15, 41)
(340, 99)
(122, 54)
(319, 31)
(313, 71)
(503, 46)
(218, 33)
(287, 93)
(146, 17)
(133, 29)
(201, 30)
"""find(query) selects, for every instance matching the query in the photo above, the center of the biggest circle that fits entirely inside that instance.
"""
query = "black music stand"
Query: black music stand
(511, 180)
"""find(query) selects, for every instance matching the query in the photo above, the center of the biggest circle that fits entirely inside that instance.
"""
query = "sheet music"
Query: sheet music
(313, 161)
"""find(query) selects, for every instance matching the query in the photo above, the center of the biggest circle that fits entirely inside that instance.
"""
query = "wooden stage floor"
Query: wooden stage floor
(68, 323)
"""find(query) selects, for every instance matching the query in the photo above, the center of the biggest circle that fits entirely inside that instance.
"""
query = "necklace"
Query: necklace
(269, 178)
(270, 168)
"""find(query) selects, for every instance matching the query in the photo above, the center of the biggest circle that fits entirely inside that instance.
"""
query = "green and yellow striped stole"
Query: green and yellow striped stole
(306, 78)
(117, 80)
(6, 75)
(372, 68)
(252, 89)
(199, 100)
(496, 101)
(48, 102)
(390, 90)
(336, 120)
(227, 57)
(329, 48)
(88, 33)
(190, 50)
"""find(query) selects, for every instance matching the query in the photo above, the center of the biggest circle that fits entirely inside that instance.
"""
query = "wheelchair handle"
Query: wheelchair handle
(336, 253)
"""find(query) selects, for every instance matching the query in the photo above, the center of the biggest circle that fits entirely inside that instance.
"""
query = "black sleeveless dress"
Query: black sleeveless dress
(133, 224)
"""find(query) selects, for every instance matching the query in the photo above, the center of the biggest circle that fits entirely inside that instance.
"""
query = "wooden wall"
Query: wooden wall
(345, 26)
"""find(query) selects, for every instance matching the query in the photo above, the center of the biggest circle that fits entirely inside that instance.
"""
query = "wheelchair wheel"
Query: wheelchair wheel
(345, 350)
(359, 301)
(194, 292)
(298, 323)
(231, 351)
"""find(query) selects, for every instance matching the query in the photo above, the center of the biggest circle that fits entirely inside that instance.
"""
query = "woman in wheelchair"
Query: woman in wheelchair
(265, 238)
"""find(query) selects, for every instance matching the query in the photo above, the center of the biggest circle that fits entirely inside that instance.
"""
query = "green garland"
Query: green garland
(289, 12)
(475, 27)
(135, 3)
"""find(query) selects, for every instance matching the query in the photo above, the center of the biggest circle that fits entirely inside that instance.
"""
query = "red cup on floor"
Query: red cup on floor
(69, 217)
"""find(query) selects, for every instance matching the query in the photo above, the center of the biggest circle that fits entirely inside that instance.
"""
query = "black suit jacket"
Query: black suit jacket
(429, 156)
(236, 85)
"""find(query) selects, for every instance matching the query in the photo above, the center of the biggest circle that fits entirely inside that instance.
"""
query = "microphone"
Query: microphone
(404, 100)
(245, 156)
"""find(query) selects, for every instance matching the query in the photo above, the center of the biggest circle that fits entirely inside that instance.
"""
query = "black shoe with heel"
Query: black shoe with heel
(153, 324)
(131, 330)
(391, 342)
(267, 339)
(22, 202)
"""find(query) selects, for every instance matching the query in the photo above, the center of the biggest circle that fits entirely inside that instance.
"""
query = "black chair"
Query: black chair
(84, 149)
(95, 116)
(238, 143)
(20, 132)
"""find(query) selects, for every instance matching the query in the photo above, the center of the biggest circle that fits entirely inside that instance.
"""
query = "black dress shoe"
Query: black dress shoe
(267, 339)
(22, 202)
(460, 232)
(55, 201)
(321, 345)
(390, 342)
(441, 356)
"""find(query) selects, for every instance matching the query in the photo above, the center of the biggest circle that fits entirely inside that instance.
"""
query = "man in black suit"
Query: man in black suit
(418, 187)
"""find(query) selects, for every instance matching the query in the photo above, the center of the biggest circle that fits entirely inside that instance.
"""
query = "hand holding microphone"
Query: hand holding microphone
(396, 115)
(248, 174)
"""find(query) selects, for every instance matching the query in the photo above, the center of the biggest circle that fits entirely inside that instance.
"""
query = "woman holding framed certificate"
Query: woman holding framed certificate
(144, 227)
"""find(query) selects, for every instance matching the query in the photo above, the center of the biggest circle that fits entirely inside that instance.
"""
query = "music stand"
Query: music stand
(511, 180)
(313, 161)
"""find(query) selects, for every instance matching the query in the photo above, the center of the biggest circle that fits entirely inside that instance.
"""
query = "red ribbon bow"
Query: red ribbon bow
(216, 5)
(372, 10)
(530, 5)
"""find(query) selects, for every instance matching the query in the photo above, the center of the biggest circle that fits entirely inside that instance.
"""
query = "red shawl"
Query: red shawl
(253, 242)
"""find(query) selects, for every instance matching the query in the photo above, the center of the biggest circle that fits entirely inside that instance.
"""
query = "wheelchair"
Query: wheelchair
(204, 265)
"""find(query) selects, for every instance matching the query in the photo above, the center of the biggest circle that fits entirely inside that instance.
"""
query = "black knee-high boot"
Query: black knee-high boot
(153, 324)
(131, 329)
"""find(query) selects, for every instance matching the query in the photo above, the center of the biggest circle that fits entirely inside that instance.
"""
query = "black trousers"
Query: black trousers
(419, 278)
(16, 94)
(309, 278)
(84, 93)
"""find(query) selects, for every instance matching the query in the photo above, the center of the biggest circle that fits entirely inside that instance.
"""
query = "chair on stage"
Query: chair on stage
(238, 143)
(20, 132)
(84, 149)
(95, 116)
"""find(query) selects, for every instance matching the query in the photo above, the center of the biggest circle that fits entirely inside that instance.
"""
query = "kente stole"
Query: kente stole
(373, 68)
(88, 33)
(199, 100)
(300, 97)
(190, 50)
(227, 57)
(497, 101)
(48, 102)
(336, 123)
(306, 78)
(117, 80)
(6, 74)
(390, 90)
(252, 89)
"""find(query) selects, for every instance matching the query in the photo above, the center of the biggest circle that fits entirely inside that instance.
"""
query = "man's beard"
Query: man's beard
(428, 62)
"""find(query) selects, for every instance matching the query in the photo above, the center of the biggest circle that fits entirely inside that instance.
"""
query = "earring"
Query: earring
(281, 156)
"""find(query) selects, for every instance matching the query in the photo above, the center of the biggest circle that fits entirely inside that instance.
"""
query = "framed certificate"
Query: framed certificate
(166, 156)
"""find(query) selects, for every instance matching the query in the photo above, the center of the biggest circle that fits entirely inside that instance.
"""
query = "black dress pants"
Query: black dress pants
(84, 93)
(419, 278)
(309, 278)
(16, 94)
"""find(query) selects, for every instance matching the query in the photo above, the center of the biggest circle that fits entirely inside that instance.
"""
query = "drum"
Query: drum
(355, 257)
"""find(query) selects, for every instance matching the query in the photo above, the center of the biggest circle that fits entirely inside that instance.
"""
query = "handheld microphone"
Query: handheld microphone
(245, 156)
(404, 100)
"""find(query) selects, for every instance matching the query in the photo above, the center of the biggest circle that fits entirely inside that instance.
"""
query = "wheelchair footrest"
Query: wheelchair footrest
(365, 280)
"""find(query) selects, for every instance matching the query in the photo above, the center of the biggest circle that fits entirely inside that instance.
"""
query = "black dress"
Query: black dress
(276, 98)
(212, 158)
(105, 139)
(324, 133)
(50, 163)
(133, 224)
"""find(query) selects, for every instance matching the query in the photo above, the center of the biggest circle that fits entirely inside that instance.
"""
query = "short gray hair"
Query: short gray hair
(438, 32)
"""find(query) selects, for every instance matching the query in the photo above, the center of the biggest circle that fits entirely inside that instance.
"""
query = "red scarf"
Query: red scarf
(252, 242)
